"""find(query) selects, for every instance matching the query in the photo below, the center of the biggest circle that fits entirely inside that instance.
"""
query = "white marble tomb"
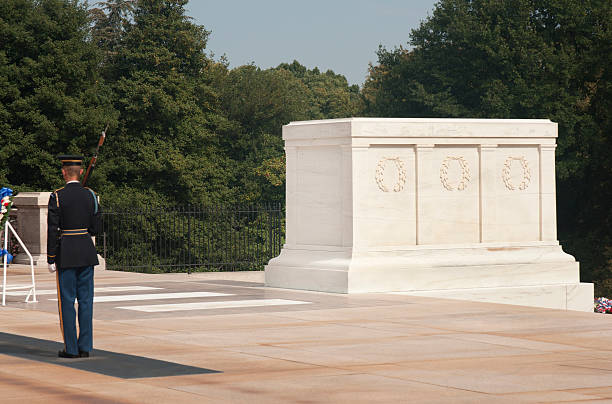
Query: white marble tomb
(455, 208)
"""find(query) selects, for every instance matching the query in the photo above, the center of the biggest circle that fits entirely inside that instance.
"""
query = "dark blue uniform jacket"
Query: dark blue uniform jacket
(74, 216)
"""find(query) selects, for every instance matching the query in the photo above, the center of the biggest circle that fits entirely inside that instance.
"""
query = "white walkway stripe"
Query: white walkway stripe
(154, 296)
(212, 305)
(96, 290)
(157, 296)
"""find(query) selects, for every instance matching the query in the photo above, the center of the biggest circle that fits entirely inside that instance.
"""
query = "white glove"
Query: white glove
(51, 268)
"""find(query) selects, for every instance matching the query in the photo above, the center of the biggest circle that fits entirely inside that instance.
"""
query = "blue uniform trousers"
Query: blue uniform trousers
(76, 283)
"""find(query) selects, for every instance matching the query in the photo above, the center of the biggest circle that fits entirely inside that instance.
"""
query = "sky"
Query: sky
(341, 35)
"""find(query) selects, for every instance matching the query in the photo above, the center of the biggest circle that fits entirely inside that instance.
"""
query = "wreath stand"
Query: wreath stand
(31, 287)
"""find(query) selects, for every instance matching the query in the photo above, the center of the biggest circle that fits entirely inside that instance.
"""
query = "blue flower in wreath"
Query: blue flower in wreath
(5, 192)
(9, 257)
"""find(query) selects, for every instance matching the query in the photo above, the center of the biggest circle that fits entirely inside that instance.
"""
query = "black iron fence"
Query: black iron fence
(185, 239)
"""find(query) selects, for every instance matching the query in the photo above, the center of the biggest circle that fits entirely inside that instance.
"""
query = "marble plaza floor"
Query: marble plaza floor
(224, 338)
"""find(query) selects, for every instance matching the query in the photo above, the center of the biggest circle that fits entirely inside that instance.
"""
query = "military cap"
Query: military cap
(70, 160)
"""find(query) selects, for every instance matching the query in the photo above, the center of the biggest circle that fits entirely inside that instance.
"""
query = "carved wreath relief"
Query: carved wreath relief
(401, 174)
(465, 173)
(506, 173)
(464, 178)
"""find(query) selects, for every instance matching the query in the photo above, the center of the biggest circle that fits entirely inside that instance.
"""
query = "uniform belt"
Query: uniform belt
(74, 232)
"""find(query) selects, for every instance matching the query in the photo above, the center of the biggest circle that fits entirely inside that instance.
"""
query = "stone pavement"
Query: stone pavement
(224, 338)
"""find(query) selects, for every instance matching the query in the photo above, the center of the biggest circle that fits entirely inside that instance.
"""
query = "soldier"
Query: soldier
(74, 216)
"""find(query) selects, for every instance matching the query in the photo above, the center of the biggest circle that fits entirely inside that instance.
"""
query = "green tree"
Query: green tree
(519, 59)
(263, 100)
(166, 146)
(51, 98)
(109, 21)
(330, 95)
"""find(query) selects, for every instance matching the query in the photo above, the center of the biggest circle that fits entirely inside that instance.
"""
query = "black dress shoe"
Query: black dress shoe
(64, 354)
(83, 354)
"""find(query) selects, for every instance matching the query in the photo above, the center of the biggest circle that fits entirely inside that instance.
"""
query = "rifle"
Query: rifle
(92, 163)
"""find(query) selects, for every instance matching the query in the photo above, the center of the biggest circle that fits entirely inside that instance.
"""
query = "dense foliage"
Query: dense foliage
(51, 98)
(521, 59)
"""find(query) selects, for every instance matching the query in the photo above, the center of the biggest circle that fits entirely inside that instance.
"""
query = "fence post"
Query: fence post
(189, 209)
(279, 227)
(268, 208)
(147, 214)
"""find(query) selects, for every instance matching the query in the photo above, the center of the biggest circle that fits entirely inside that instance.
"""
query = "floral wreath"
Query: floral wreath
(465, 173)
(380, 172)
(526, 173)
(6, 202)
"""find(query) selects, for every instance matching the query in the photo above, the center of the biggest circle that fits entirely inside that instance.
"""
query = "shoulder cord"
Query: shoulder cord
(93, 194)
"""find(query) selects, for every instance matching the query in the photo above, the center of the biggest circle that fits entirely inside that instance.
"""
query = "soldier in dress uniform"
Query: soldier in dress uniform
(74, 216)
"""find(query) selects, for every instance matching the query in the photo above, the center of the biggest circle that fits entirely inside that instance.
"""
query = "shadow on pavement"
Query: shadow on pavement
(104, 362)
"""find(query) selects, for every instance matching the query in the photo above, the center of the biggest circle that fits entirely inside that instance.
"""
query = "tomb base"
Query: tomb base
(536, 274)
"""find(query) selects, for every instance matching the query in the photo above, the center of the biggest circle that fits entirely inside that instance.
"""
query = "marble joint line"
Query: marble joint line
(155, 296)
(213, 305)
